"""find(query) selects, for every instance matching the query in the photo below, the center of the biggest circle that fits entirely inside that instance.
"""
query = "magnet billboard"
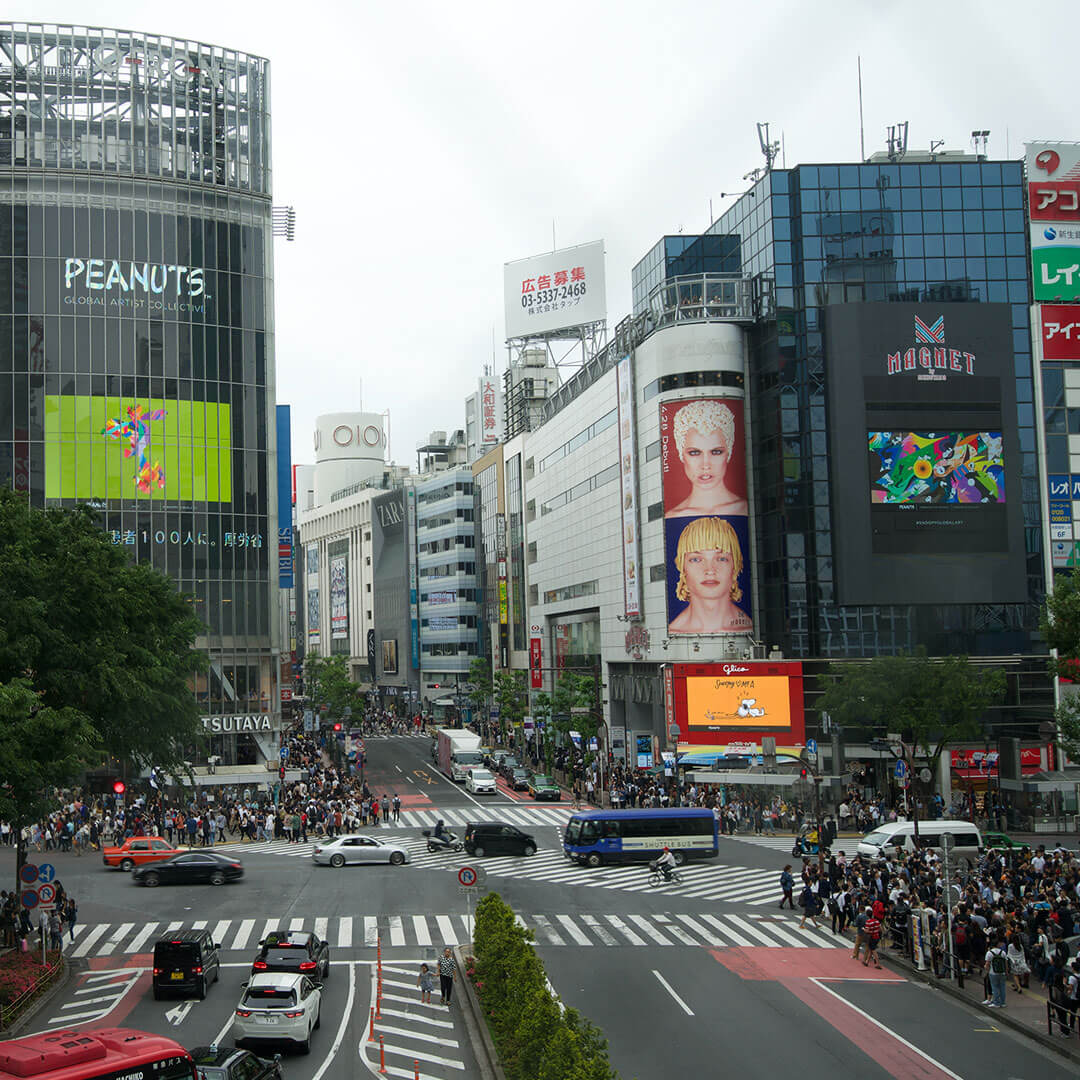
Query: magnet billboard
(555, 291)
(706, 524)
(924, 454)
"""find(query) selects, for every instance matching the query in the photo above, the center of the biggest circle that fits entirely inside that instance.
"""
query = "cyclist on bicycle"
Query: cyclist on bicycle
(666, 863)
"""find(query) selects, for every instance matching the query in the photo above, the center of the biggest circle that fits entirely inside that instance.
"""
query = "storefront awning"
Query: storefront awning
(1044, 783)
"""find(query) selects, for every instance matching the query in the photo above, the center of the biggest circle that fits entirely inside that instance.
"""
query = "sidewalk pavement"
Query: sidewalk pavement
(1024, 1012)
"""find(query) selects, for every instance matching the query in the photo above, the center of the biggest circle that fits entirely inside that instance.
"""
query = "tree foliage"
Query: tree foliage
(104, 646)
(510, 695)
(1061, 627)
(933, 703)
(327, 682)
(480, 678)
(536, 1037)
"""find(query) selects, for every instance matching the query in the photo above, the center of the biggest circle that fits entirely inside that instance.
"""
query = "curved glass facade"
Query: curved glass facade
(136, 319)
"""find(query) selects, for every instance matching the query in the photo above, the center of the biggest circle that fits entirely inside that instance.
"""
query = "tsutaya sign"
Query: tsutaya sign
(228, 725)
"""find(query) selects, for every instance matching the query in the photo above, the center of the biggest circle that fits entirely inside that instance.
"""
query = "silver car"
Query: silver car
(278, 1006)
(358, 849)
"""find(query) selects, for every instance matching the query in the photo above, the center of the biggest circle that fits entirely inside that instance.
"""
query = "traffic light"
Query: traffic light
(804, 773)
(337, 726)
(281, 773)
(119, 787)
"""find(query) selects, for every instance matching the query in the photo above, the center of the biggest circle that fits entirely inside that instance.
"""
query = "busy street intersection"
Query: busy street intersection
(710, 970)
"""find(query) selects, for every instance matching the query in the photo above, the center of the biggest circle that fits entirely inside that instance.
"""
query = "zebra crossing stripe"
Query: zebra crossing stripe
(446, 929)
(296, 924)
(322, 928)
(221, 930)
(593, 923)
(420, 929)
(371, 931)
(344, 934)
(550, 933)
(242, 935)
(677, 932)
(87, 942)
(702, 931)
(649, 929)
(397, 931)
(136, 943)
(568, 925)
(269, 927)
(117, 936)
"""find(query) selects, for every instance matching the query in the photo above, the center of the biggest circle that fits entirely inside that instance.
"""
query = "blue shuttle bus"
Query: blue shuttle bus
(596, 837)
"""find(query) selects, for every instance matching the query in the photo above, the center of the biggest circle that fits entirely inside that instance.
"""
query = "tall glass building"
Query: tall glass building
(926, 232)
(136, 323)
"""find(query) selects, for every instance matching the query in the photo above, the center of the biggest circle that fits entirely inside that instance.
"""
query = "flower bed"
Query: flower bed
(536, 1037)
(22, 977)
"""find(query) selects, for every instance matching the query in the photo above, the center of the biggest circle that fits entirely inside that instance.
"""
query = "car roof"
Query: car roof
(175, 936)
(216, 1055)
(491, 825)
(359, 836)
(274, 980)
(287, 937)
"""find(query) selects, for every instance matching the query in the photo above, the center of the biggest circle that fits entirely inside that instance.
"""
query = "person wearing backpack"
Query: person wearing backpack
(997, 962)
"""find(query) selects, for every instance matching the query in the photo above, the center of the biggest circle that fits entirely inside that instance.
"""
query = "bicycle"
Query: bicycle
(656, 877)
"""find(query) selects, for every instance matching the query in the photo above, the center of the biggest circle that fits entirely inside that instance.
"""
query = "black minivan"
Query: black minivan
(497, 838)
(185, 962)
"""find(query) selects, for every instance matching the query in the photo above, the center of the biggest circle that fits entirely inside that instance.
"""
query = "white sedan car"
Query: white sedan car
(277, 1006)
(481, 782)
(358, 849)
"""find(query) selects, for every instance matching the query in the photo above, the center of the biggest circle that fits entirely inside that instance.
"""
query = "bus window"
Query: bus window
(590, 832)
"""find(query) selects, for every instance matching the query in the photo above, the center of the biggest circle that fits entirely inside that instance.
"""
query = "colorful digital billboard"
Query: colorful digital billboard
(100, 447)
(706, 527)
(918, 467)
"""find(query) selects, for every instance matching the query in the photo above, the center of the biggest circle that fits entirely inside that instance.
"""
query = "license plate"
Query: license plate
(267, 1019)
(177, 976)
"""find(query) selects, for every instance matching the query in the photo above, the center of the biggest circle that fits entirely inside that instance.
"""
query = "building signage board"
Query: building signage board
(339, 597)
(490, 410)
(228, 725)
(414, 591)
(706, 523)
(555, 291)
(536, 658)
(624, 381)
(1060, 331)
(284, 496)
(1053, 171)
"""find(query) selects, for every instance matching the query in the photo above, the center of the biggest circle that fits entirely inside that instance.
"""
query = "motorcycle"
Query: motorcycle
(447, 842)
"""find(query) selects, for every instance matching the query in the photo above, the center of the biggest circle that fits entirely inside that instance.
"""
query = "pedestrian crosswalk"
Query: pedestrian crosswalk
(525, 815)
(784, 843)
(123, 941)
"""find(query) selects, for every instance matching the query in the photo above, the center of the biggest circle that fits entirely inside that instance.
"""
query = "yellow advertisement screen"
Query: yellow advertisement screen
(737, 701)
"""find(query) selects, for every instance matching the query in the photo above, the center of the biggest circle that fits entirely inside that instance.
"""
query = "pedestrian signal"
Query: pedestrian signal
(119, 787)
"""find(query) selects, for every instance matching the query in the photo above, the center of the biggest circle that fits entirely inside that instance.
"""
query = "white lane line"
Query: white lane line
(420, 929)
(397, 931)
(98, 975)
(439, 1040)
(888, 1031)
(136, 942)
(346, 1018)
(679, 1001)
(74, 1018)
(643, 923)
(572, 930)
(624, 930)
(344, 932)
(118, 935)
(593, 924)
(446, 929)
(410, 1053)
(89, 1001)
(87, 942)
(371, 931)
(321, 928)
(242, 935)
(220, 931)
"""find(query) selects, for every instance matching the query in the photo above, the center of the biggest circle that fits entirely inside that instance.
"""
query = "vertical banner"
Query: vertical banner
(624, 381)
(490, 399)
(414, 599)
(339, 597)
(311, 588)
(1053, 172)
(285, 496)
(371, 653)
(706, 522)
(536, 658)
(562, 645)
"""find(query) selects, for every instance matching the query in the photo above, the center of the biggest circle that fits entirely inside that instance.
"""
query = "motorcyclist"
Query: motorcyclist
(440, 830)
(666, 863)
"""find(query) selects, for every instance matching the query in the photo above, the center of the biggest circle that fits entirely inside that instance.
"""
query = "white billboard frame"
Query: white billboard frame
(556, 291)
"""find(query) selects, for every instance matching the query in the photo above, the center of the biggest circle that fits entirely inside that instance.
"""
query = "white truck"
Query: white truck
(459, 751)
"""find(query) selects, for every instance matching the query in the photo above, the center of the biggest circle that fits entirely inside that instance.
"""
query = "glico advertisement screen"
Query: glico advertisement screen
(924, 461)
(730, 707)
(706, 524)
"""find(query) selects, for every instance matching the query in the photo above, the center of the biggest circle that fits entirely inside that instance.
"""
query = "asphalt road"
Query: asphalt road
(690, 981)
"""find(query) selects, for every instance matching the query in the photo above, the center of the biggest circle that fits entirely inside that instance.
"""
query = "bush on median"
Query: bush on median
(536, 1037)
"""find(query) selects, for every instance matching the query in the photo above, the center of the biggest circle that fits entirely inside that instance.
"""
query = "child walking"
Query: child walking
(426, 984)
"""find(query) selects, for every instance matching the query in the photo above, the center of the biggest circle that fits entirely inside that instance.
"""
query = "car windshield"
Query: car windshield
(468, 757)
(285, 952)
(211, 1072)
(269, 997)
(573, 831)
(481, 774)
(877, 837)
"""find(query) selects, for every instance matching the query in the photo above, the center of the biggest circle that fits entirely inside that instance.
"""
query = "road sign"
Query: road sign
(901, 770)
(28, 874)
(925, 775)
(811, 746)
(47, 894)
(46, 872)
(29, 898)
(284, 752)
(467, 877)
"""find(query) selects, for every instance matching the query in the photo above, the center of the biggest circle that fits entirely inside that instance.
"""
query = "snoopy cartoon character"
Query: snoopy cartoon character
(747, 708)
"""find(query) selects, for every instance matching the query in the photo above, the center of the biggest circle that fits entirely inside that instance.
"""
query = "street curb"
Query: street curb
(71, 969)
(1001, 1015)
(487, 1057)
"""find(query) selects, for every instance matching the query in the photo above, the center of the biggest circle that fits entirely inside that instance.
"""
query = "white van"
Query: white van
(900, 835)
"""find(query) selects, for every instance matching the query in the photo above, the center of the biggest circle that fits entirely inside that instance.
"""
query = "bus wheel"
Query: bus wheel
(594, 859)
(680, 858)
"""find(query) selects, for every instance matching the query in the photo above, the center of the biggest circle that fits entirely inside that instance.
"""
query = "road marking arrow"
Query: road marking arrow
(178, 1015)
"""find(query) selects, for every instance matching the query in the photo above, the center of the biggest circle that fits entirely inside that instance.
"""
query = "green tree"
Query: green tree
(1060, 624)
(480, 678)
(511, 697)
(327, 682)
(542, 710)
(933, 703)
(575, 691)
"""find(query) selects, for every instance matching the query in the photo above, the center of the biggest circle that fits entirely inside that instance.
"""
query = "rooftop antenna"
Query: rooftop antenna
(980, 138)
(769, 149)
(897, 140)
(936, 145)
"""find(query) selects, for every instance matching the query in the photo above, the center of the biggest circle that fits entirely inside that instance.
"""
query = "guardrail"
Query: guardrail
(15, 1007)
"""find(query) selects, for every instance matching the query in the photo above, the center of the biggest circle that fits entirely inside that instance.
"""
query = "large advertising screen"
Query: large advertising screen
(924, 454)
(706, 524)
(555, 291)
(137, 448)
(730, 707)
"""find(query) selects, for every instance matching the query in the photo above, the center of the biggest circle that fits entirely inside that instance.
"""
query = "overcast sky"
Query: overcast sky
(425, 144)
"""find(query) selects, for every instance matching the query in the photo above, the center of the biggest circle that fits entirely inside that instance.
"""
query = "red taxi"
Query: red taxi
(137, 851)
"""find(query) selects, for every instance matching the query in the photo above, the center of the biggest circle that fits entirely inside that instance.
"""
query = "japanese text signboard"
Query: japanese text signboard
(1053, 172)
(555, 291)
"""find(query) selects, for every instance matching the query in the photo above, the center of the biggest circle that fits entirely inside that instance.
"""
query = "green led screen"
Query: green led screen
(137, 448)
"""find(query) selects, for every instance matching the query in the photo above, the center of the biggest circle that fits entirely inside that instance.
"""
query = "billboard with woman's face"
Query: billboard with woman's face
(706, 523)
